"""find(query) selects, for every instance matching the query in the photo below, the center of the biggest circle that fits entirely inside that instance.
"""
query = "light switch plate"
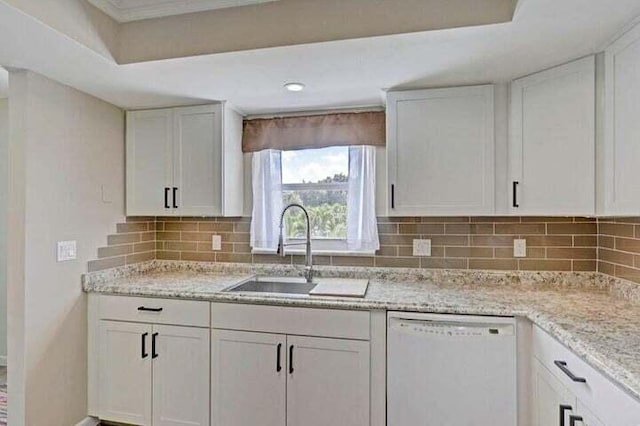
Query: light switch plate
(216, 242)
(66, 250)
(422, 247)
(519, 248)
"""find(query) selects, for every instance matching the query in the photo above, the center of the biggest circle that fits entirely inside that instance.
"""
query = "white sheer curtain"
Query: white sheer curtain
(267, 199)
(362, 226)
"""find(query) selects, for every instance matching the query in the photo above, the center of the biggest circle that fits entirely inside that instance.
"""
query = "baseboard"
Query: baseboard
(89, 421)
(3, 361)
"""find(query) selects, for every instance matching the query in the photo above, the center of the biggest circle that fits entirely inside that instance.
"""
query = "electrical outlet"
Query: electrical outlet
(422, 247)
(66, 251)
(519, 248)
(216, 242)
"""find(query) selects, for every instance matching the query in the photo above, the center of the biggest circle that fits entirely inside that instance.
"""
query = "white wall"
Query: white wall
(4, 187)
(65, 146)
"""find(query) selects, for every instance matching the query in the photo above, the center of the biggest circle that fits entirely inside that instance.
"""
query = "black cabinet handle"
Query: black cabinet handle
(515, 194)
(166, 198)
(574, 419)
(291, 359)
(145, 309)
(393, 196)
(564, 408)
(278, 361)
(154, 354)
(562, 365)
(144, 353)
(175, 194)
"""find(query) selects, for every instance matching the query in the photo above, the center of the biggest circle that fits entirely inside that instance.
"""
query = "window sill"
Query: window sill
(302, 251)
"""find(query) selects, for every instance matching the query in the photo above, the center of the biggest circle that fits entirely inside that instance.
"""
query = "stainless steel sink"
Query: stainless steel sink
(259, 286)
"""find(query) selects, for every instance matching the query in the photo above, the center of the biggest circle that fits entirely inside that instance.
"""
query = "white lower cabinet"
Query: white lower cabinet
(327, 382)
(151, 374)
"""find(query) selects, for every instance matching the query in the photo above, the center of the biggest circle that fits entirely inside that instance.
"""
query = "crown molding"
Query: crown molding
(135, 10)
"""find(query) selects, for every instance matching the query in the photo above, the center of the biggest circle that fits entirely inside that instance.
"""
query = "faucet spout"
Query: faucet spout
(308, 274)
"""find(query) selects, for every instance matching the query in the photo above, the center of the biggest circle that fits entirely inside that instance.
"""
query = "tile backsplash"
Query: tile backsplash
(553, 243)
(619, 247)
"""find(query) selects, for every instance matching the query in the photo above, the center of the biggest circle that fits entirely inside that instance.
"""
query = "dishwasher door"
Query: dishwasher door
(451, 370)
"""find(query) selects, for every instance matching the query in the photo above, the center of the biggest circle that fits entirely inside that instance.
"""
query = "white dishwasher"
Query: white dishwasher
(451, 370)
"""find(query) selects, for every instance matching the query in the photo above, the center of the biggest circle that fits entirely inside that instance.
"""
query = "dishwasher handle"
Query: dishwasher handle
(450, 328)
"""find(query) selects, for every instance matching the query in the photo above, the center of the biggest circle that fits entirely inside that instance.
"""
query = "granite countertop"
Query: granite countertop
(578, 309)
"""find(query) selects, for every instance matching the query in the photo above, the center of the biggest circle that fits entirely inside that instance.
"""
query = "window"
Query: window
(319, 180)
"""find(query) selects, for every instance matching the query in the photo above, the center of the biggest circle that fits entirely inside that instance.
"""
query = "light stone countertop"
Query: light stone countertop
(578, 309)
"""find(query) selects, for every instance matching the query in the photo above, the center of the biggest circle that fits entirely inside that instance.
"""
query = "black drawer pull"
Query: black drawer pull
(144, 353)
(175, 195)
(562, 365)
(166, 198)
(278, 361)
(515, 194)
(564, 408)
(144, 309)
(393, 196)
(291, 359)
(574, 419)
(154, 354)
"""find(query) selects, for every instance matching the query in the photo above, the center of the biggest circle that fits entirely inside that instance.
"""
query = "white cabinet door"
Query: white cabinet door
(552, 141)
(149, 162)
(248, 378)
(622, 126)
(327, 382)
(198, 152)
(551, 399)
(440, 147)
(124, 363)
(180, 376)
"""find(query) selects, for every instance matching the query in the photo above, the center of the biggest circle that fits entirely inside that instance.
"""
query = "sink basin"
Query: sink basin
(259, 286)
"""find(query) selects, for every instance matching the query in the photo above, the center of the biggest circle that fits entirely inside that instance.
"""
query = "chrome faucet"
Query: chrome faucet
(308, 270)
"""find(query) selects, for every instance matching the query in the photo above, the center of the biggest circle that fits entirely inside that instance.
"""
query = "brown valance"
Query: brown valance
(314, 131)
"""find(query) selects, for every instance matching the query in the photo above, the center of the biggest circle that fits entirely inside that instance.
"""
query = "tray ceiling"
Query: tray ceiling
(135, 10)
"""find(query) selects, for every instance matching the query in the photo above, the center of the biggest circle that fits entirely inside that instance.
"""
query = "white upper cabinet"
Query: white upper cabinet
(552, 141)
(185, 162)
(621, 173)
(440, 151)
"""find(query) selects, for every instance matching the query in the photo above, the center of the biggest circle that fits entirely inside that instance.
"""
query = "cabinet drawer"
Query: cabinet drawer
(299, 321)
(607, 401)
(152, 310)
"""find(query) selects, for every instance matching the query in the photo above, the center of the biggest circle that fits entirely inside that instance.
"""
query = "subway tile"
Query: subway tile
(616, 229)
(496, 219)
(123, 228)
(352, 261)
(235, 238)
(397, 262)
(631, 274)
(207, 246)
(585, 240)
(585, 265)
(140, 257)
(492, 241)
(606, 241)
(445, 219)
(520, 228)
(167, 236)
(118, 239)
(457, 229)
(110, 262)
(546, 219)
(217, 227)
(197, 256)
(442, 263)
(181, 226)
(571, 253)
(532, 252)
(387, 228)
(634, 219)
(159, 226)
(544, 265)
(422, 228)
(387, 251)
(147, 236)
(146, 246)
(497, 264)
(180, 246)
(389, 239)
(241, 227)
(271, 258)
(317, 260)
(140, 219)
(399, 219)
(241, 248)
(572, 228)
(606, 268)
(468, 252)
(637, 232)
(628, 244)
(197, 236)
(168, 255)
(549, 240)
(612, 256)
(233, 257)
(112, 251)
(448, 240)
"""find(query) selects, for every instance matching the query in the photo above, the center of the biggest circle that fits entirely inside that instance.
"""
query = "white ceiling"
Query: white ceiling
(135, 10)
(337, 74)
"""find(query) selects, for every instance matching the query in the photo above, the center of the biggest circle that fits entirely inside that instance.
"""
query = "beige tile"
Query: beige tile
(544, 265)
(616, 229)
(197, 236)
(181, 226)
(585, 265)
(520, 228)
(628, 244)
(207, 246)
(500, 264)
(140, 257)
(397, 262)
(405, 219)
(241, 248)
(387, 251)
(233, 257)
(112, 251)
(546, 219)
(607, 242)
(167, 236)
(532, 252)
(217, 226)
(572, 228)
(468, 252)
(585, 240)
(571, 253)
(241, 227)
(390, 240)
(631, 274)
(387, 228)
(236, 237)
(612, 256)
(110, 262)
(198, 256)
(271, 258)
(180, 246)
(442, 263)
(445, 219)
(352, 261)
(123, 228)
(142, 247)
(606, 268)
(317, 260)
(118, 239)
(421, 228)
(496, 219)
(168, 255)
(448, 240)
(140, 219)
(147, 236)
(549, 240)
(492, 241)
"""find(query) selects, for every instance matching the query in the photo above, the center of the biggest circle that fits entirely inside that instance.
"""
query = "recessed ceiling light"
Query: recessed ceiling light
(294, 87)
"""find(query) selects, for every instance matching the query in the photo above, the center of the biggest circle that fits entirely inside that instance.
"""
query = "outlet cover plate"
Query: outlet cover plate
(422, 247)
(519, 248)
(66, 251)
(216, 242)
